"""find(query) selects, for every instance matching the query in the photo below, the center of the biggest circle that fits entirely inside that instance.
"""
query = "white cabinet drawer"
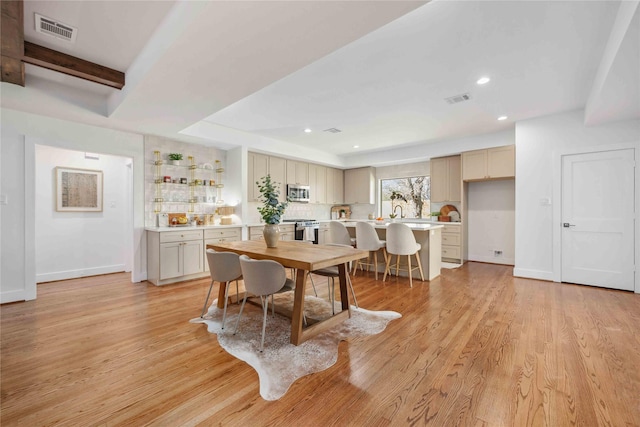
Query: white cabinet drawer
(451, 252)
(451, 239)
(451, 229)
(222, 233)
(180, 236)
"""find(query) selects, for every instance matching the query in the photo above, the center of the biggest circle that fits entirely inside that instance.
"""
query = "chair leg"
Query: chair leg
(375, 263)
(313, 284)
(226, 300)
(265, 308)
(244, 300)
(204, 307)
(419, 265)
(237, 293)
(387, 268)
(397, 264)
(409, 271)
(352, 291)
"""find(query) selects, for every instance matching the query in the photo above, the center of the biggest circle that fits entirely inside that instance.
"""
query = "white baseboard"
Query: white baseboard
(74, 274)
(15, 295)
(533, 274)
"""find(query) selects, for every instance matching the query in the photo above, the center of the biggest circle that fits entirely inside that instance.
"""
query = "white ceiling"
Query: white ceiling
(258, 73)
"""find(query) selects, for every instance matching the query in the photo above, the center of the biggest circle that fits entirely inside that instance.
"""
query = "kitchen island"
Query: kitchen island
(428, 234)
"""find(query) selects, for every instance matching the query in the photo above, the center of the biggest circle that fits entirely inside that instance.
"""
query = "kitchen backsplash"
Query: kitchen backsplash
(293, 211)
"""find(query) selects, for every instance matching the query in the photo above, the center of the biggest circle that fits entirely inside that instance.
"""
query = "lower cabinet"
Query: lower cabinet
(323, 234)
(212, 237)
(287, 232)
(175, 256)
(451, 243)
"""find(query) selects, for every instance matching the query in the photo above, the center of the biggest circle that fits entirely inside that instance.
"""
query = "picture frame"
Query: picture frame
(78, 190)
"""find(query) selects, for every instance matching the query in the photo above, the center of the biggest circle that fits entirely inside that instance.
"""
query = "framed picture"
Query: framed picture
(78, 190)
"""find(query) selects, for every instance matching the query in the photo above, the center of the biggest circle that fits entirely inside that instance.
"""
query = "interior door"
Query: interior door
(598, 219)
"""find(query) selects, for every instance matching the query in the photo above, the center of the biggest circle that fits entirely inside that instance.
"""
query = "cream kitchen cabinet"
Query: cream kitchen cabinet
(335, 186)
(359, 186)
(219, 235)
(452, 243)
(287, 232)
(278, 172)
(257, 168)
(446, 179)
(260, 165)
(318, 183)
(492, 163)
(297, 172)
(324, 236)
(174, 256)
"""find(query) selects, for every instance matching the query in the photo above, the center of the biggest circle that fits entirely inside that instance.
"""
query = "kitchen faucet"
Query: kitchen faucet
(401, 211)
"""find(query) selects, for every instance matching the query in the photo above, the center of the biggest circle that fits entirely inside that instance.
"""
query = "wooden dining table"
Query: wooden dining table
(304, 258)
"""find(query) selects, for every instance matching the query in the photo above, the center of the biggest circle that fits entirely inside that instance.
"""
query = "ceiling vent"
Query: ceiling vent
(332, 130)
(458, 98)
(56, 29)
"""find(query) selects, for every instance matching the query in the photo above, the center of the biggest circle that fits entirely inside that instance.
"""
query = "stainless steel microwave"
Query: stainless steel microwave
(298, 193)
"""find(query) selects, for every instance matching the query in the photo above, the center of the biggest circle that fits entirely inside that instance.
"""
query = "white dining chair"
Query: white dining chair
(224, 267)
(339, 234)
(401, 241)
(331, 273)
(263, 278)
(368, 240)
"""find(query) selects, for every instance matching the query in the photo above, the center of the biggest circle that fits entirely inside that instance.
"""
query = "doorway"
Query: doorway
(597, 226)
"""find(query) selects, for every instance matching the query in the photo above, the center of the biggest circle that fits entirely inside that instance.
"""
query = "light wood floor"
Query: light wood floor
(474, 347)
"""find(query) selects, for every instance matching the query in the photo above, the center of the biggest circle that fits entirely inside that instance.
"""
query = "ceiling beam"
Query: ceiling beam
(12, 47)
(67, 64)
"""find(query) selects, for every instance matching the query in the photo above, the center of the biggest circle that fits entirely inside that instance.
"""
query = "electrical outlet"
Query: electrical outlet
(497, 253)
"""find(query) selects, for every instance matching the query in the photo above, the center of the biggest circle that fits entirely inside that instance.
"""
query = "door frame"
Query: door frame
(557, 205)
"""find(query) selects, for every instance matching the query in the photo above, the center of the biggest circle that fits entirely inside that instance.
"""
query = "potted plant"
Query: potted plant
(435, 215)
(271, 210)
(175, 158)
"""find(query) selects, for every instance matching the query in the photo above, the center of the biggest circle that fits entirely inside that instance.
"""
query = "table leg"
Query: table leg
(344, 292)
(221, 295)
(298, 307)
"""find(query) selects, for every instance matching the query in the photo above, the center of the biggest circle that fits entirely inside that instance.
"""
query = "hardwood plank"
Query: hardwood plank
(475, 346)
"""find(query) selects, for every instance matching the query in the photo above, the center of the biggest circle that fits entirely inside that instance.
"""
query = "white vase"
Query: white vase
(271, 233)
(175, 162)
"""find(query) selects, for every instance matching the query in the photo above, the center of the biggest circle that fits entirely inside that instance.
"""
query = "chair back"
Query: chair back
(367, 238)
(262, 277)
(223, 266)
(400, 240)
(339, 233)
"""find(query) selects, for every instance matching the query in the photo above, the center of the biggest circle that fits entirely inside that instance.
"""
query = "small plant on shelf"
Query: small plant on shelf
(271, 210)
(175, 158)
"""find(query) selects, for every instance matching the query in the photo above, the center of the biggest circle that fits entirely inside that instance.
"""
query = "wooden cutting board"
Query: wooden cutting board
(444, 211)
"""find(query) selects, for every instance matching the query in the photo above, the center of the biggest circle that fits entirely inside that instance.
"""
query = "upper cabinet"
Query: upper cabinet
(278, 172)
(446, 180)
(297, 172)
(335, 186)
(359, 185)
(258, 167)
(318, 183)
(492, 163)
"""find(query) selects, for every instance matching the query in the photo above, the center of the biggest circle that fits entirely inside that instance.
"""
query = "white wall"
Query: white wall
(66, 241)
(540, 144)
(491, 221)
(17, 179)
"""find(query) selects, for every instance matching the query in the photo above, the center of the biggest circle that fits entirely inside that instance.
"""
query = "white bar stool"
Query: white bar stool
(401, 241)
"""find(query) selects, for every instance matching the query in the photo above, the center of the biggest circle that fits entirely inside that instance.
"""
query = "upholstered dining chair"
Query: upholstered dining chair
(224, 267)
(401, 241)
(367, 239)
(263, 278)
(331, 273)
(339, 234)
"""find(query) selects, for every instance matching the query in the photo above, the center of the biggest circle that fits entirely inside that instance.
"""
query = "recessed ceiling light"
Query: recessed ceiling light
(502, 118)
(307, 130)
(483, 80)
(356, 146)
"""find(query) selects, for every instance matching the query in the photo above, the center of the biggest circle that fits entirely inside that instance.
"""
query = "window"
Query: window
(406, 196)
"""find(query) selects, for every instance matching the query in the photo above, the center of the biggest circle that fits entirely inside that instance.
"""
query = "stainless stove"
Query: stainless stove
(305, 229)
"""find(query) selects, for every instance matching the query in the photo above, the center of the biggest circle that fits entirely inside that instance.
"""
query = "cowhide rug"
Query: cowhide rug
(282, 363)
